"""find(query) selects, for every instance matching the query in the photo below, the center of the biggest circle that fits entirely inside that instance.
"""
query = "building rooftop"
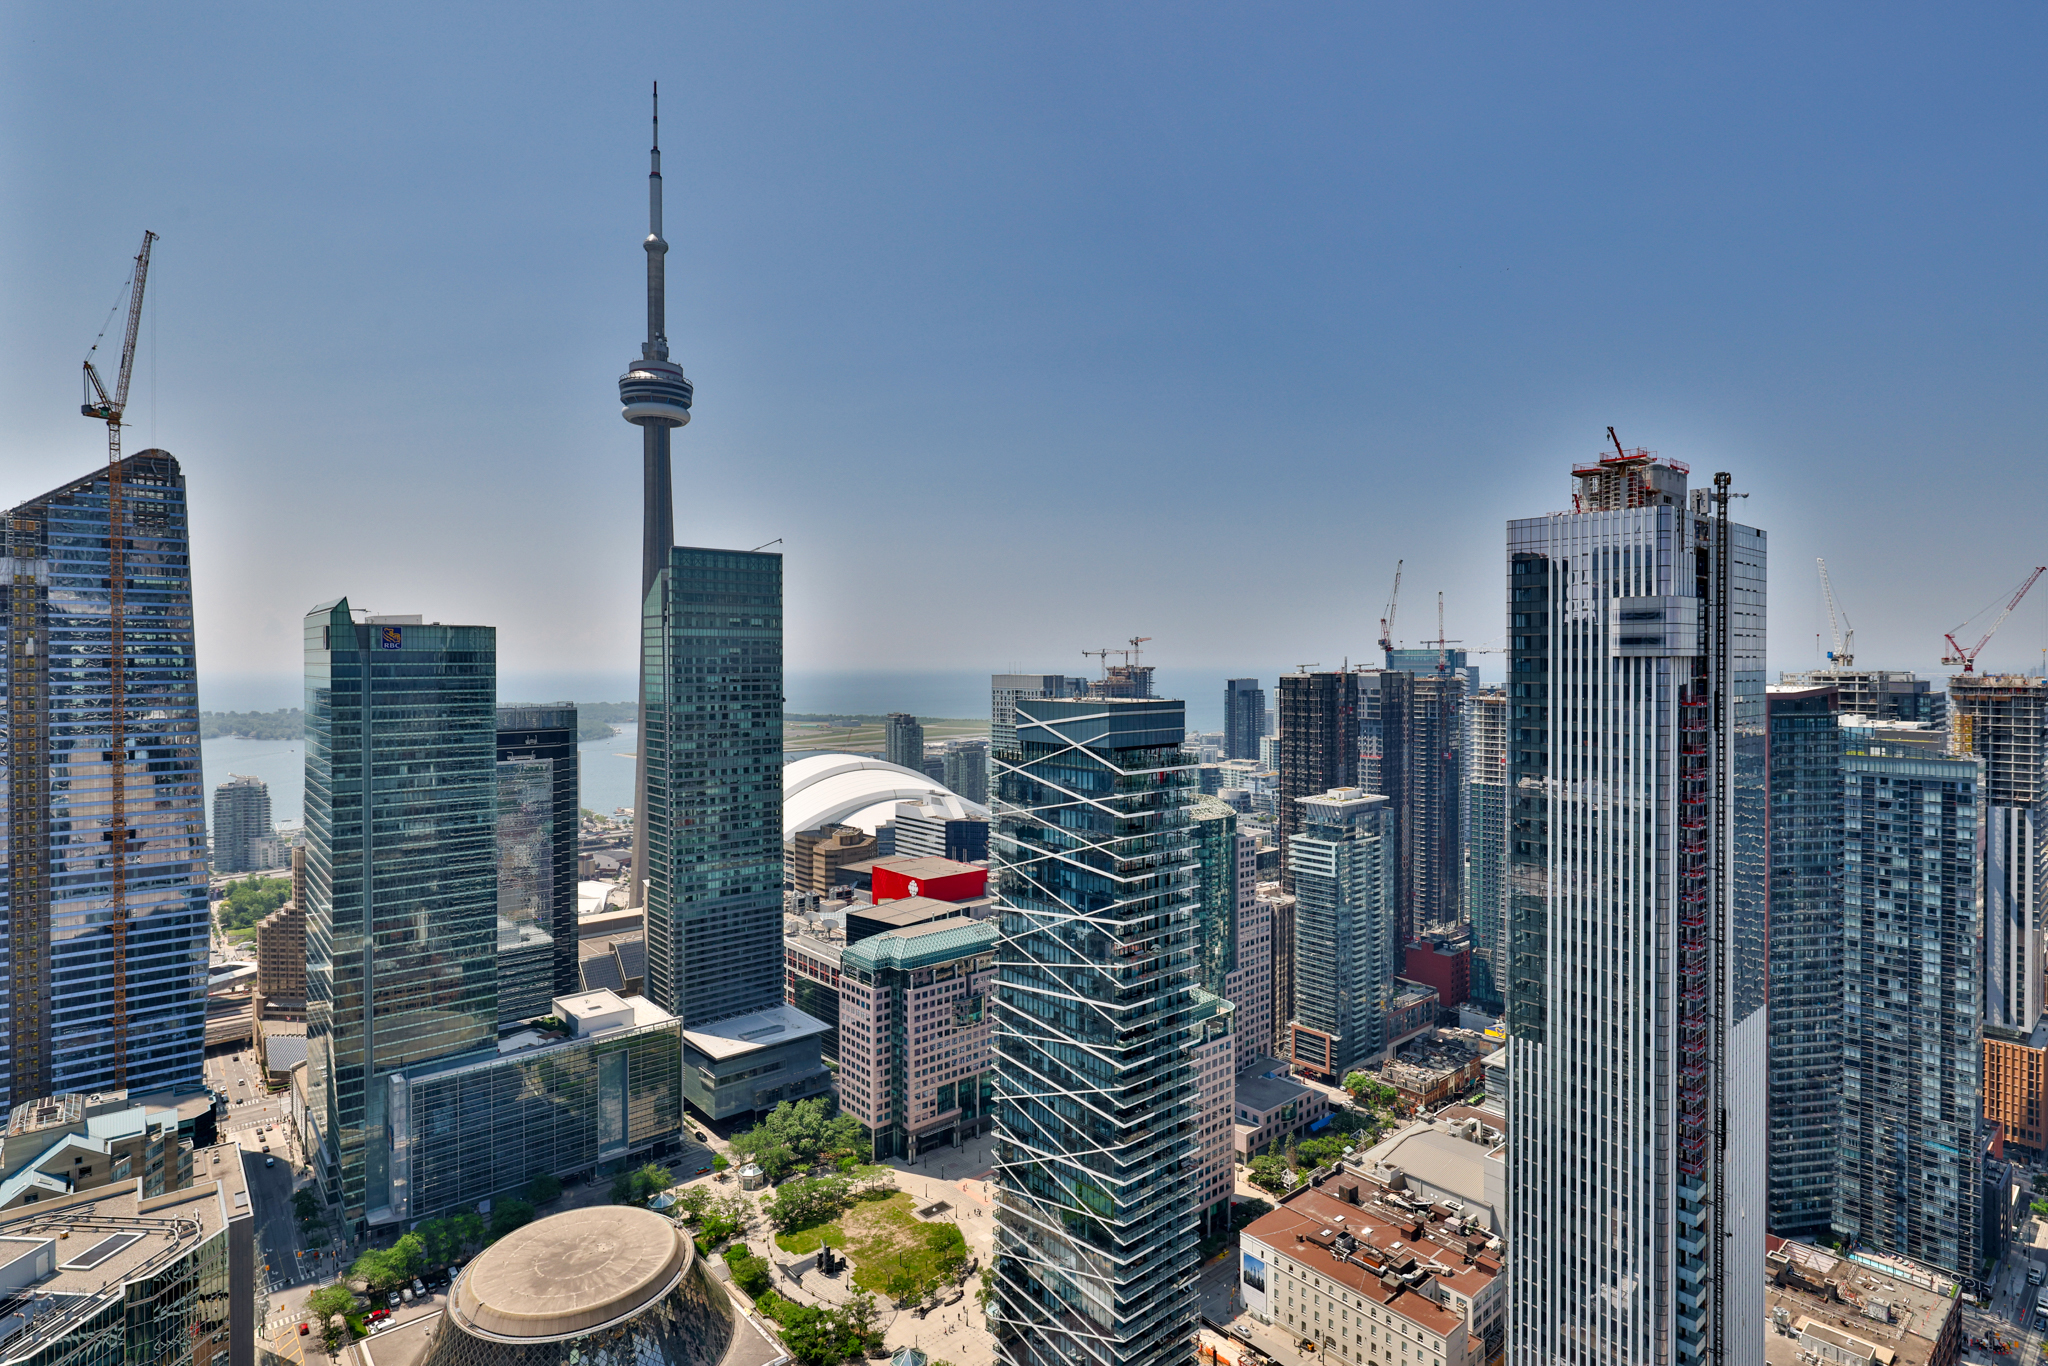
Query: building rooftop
(917, 946)
(569, 1273)
(1258, 1090)
(1345, 1230)
(67, 1258)
(925, 866)
(741, 1034)
(1858, 1308)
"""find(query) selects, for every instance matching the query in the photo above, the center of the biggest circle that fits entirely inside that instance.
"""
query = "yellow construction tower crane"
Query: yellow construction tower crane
(108, 408)
(1843, 656)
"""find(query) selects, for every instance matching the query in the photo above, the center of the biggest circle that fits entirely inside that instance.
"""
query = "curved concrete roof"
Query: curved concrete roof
(849, 789)
(570, 1273)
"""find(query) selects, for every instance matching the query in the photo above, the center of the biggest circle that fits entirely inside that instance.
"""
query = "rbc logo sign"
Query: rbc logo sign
(913, 888)
(390, 637)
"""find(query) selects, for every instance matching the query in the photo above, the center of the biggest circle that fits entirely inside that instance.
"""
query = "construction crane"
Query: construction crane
(108, 408)
(1443, 658)
(1102, 655)
(1393, 601)
(1134, 654)
(1968, 657)
(1844, 653)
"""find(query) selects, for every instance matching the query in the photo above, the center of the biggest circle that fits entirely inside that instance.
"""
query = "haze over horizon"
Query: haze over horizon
(1029, 330)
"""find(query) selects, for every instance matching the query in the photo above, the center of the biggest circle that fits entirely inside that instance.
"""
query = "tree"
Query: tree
(306, 1205)
(507, 1215)
(543, 1189)
(638, 1187)
(722, 1220)
(806, 1204)
(1269, 1173)
(749, 1272)
(815, 1337)
(858, 1314)
(447, 1238)
(385, 1267)
(329, 1300)
(761, 1145)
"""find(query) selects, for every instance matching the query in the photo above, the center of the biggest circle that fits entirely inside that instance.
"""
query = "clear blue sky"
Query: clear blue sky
(1032, 327)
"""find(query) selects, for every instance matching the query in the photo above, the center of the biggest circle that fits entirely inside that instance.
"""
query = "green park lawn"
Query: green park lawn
(894, 1253)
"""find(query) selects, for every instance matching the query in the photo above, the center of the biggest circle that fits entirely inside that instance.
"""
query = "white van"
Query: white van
(2041, 1306)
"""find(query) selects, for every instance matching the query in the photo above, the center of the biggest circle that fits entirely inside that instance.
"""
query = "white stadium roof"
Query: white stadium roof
(850, 789)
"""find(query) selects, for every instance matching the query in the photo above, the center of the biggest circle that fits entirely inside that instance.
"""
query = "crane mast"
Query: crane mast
(108, 408)
(1844, 653)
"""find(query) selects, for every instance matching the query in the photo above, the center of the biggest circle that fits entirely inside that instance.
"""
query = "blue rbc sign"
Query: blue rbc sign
(391, 638)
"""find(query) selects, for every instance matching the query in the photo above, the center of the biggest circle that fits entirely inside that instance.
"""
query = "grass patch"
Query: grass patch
(894, 1253)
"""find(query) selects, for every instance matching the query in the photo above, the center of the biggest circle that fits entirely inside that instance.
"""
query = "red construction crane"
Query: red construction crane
(1968, 657)
(1393, 601)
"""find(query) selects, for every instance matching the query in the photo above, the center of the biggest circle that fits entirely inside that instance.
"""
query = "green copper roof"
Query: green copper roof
(921, 946)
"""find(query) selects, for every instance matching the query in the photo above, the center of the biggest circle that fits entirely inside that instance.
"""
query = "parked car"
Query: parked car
(305, 1329)
(270, 1162)
(419, 1287)
(394, 1299)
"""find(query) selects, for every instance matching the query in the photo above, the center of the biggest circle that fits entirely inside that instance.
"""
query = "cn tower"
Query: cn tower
(653, 396)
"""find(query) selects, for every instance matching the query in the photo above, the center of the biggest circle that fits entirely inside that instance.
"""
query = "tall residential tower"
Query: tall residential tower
(1097, 1022)
(1635, 967)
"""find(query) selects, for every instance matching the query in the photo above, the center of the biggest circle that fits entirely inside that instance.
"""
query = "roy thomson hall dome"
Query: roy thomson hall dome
(607, 1286)
(850, 789)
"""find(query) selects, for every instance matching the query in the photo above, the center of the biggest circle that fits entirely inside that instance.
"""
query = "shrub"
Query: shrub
(543, 1189)
(749, 1273)
(507, 1215)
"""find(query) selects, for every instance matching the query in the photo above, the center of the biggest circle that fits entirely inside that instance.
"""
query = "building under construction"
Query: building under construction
(1886, 694)
(2003, 720)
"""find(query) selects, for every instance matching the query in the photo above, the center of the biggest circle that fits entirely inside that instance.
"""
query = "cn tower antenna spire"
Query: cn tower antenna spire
(657, 249)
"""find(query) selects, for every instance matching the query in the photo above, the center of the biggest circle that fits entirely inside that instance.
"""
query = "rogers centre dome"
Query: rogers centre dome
(606, 1286)
(849, 789)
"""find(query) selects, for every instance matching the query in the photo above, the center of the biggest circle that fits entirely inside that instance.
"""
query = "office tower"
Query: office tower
(1318, 745)
(713, 743)
(966, 770)
(1096, 1109)
(1212, 1057)
(1881, 694)
(526, 871)
(401, 876)
(932, 827)
(241, 816)
(1803, 909)
(1006, 690)
(914, 1034)
(1482, 824)
(1234, 929)
(1244, 716)
(1635, 936)
(545, 733)
(103, 885)
(1345, 941)
(2003, 719)
(903, 741)
(1908, 1151)
(655, 397)
(814, 858)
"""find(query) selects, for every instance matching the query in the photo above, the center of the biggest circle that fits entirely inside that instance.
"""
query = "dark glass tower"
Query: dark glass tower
(103, 877)
(712, 676)
(1319, 745)
(547, 733)
(401, 872)
(1803, 814)
(1097, 1132)
(1244, 717)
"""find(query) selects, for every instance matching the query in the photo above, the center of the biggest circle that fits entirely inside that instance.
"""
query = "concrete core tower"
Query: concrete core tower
(654, 397)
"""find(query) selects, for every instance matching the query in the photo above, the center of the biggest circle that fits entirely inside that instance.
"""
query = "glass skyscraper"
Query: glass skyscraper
(1908, 1150)
(526, 868)
(713, 662)
(546, 733)
(1635, 973)
(1805, 912)
(103, 867)
(1345, 941)
(401, 873)
(1097, 1123)
(1483, 826)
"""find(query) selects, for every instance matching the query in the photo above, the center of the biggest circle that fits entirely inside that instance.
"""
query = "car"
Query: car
(701, 1138)
(304, 1329)
(270, 1162)
(419, 1287)
(376, 1314)
(394, 1299)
